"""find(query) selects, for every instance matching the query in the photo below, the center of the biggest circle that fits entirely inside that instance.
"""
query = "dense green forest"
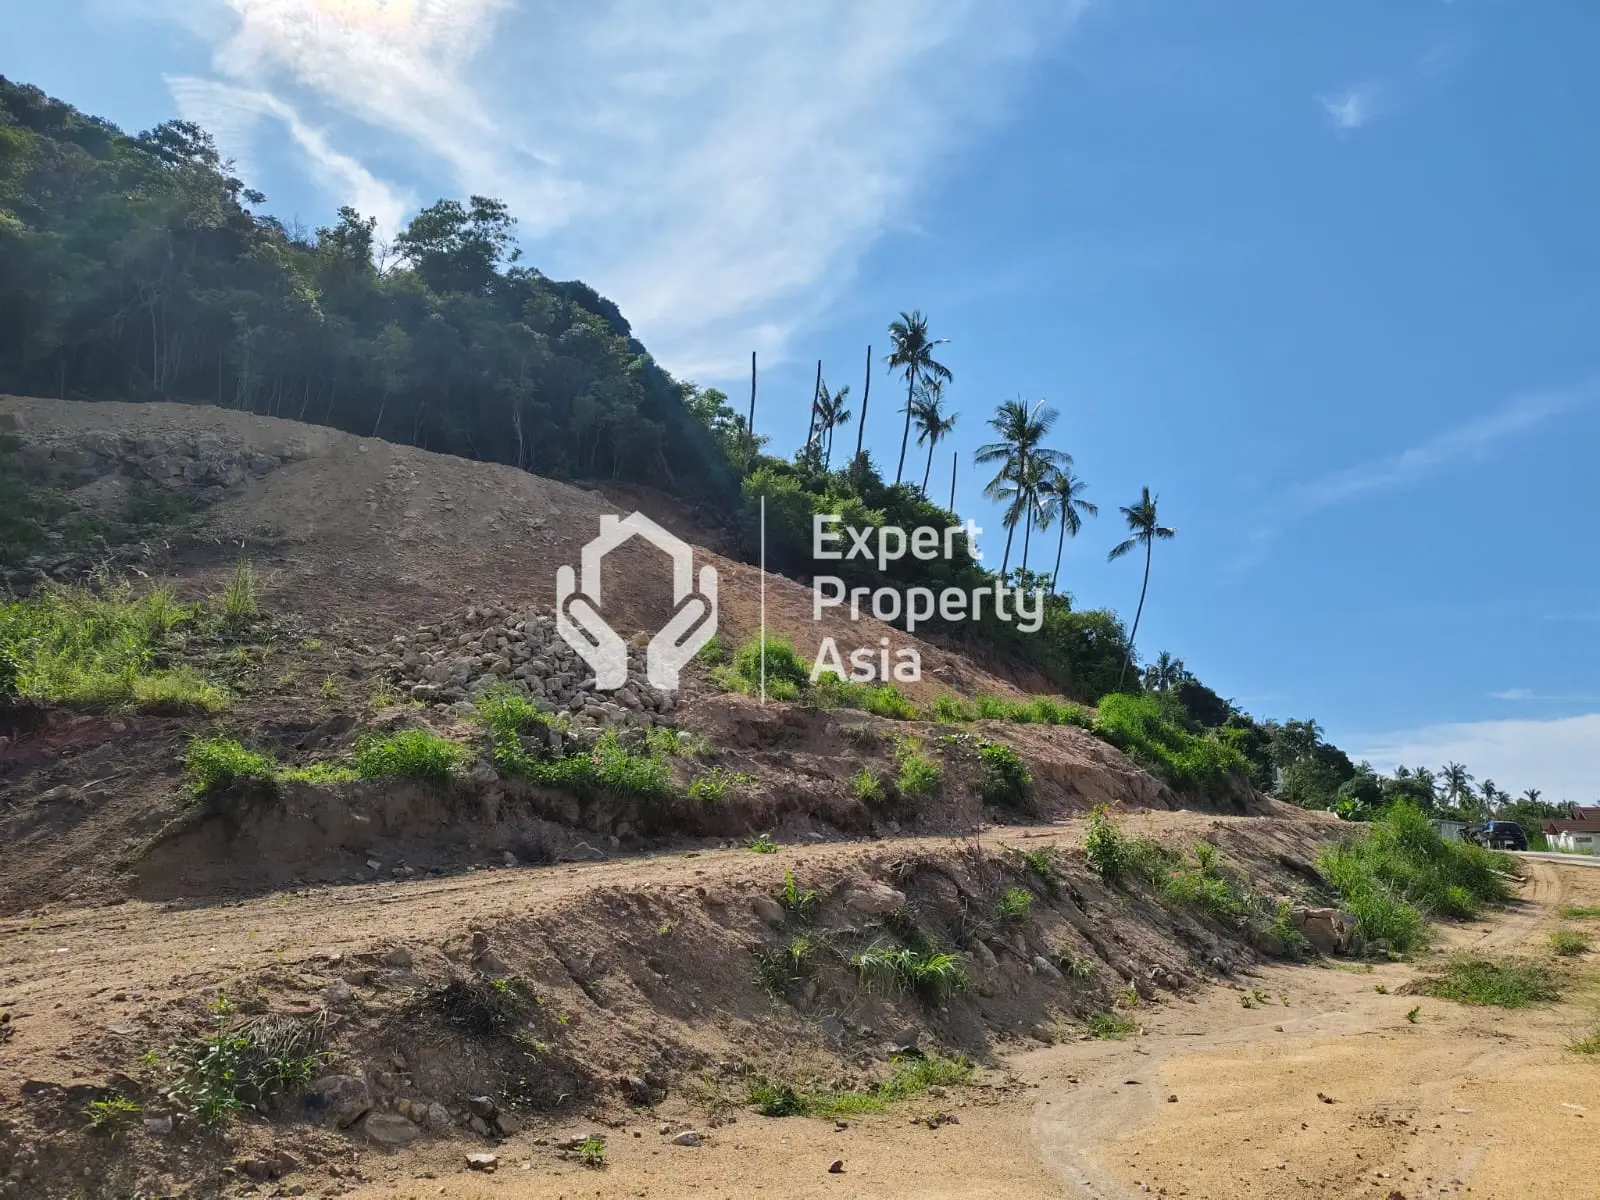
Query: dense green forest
(133, 268)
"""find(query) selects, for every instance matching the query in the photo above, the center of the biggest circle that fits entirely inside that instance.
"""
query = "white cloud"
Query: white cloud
(1352, 107)
(1560, 757)
(231, 114)
(717, 168)
(1470, 442)
(1522, 694)
(1349, 108)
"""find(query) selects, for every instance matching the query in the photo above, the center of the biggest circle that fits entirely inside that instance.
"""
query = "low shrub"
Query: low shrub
(481, 1005)
(866, 787)
(256, 1066)
(1004, 778)
(919, 775)
(1105, 846)
(801, 902)
(717, 785)
(418, 754)
(953, 710)
(762, 844)
(931, 974)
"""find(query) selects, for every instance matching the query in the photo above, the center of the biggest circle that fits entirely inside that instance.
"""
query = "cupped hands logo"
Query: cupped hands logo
(691, 626)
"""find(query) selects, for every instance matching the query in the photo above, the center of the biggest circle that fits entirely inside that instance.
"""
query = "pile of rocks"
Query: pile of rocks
(456, 661)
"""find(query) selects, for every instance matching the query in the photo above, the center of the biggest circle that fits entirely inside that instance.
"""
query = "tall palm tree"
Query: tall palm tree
(831, 413)
(1021, 431)
(1457, 783)
(913, 354)
(1531, 795)
(1166, 673)
(1491, 796)
(1062, 497)
(1146, 529)
(932, 424)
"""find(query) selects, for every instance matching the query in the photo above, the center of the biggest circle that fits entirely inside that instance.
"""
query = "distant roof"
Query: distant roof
(1563, 825)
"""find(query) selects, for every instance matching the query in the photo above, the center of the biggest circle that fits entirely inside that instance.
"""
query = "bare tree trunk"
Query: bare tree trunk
(905, 436)
(866, 391)
(955, 461)
(1137, 613)
(927, 470)
(816, 395)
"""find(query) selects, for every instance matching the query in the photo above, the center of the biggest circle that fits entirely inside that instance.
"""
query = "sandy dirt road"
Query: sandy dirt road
(1319, 1088)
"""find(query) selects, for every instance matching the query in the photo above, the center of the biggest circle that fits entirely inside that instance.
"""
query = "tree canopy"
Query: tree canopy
(133, 268)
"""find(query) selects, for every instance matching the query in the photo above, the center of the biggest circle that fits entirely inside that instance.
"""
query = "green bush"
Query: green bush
(1004, 777)
(786, 673)
(715, 787)
(10, 672)
(1151, 733)
(255, 1066)
(1105, 847)
(1037, 710)
(409, 754)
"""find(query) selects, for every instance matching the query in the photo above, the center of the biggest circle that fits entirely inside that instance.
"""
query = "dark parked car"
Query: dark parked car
(1497, 835)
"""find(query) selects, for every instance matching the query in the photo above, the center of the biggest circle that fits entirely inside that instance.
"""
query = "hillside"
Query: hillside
(387, 584)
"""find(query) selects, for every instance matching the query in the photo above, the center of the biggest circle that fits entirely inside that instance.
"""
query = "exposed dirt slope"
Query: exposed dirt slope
(380, 538)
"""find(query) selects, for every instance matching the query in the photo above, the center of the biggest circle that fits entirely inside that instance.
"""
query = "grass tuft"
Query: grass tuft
(1569, 943)
(409, 754)
(1501, 984)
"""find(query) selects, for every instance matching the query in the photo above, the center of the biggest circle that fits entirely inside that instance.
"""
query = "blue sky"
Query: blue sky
(1324, 276)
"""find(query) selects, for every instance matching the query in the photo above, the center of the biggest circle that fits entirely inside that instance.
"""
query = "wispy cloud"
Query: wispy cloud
(231, 114)
(1522, 695)
(718, 168)
(1472, 442)
(1350, 107)
(1560, 757)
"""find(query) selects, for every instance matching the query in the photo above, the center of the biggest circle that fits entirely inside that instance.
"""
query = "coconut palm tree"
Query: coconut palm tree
(913, 354)
(1147, 530)
(831, 413)
(932, 424)
(1457, 783)
(1165, 673)
(1061, 498)
(1023, 459)
(1531, 795)
(1491, 796)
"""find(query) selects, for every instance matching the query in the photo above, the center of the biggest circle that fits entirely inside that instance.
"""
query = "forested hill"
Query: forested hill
(132, 268)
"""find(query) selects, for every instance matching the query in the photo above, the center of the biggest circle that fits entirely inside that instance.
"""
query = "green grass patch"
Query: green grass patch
(762, 843)
(908, 1078)
(1468, 980)
(953, 710)
(717, 785)
(238, 602)
(1581, 912)
(1569, 942)
(253, 1066)
(419, 754)
(1037, 710)
(75, 646)
(1402, 873)
(799, 902)
(929, 973)
(213, 765)
(1588, 1044)
(1112, 1026)
(919, 775)
(1013, 905)
(1147, 731)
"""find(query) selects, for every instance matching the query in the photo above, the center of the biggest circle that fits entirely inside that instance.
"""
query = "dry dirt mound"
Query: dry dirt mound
(379, 538)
